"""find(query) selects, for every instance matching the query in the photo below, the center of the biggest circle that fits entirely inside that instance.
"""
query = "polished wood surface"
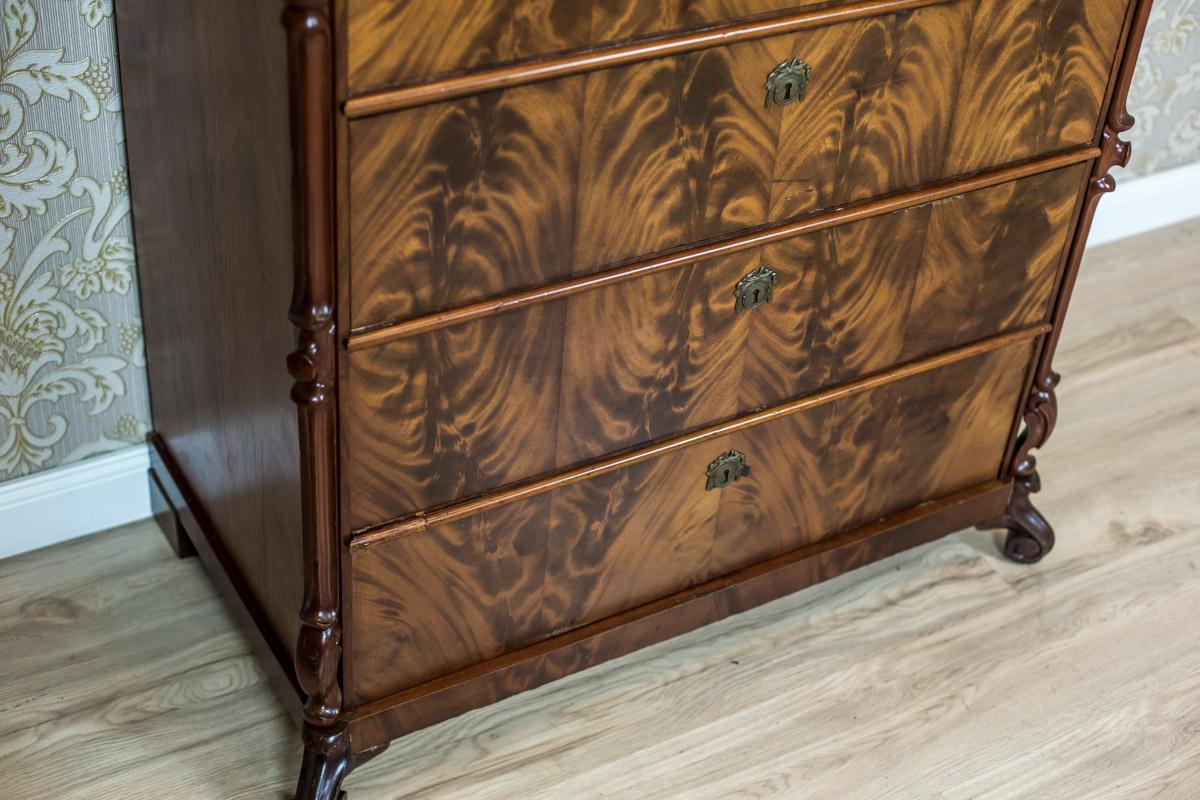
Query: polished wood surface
(190, 531)
(483, 80)
(438, 601)
(459, 201)
(546, 387)
(984, 678)
(1030, 535)
(695, 606)
(464, 34)
(454, 512)
(313, 366)
(209, 166)
(678, 258)
(567, 187)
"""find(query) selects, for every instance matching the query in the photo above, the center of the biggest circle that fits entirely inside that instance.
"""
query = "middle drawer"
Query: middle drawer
(479, 196)
(453, 412)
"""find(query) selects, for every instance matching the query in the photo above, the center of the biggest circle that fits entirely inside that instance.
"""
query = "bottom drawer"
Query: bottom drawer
(439, 600)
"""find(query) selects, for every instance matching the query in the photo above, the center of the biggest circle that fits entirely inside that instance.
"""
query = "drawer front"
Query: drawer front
(459, 593)
(397, 41)
(454, 412)
(462, 200)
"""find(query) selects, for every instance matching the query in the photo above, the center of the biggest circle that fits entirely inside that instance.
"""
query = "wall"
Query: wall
(72, 380)
(1165, 97)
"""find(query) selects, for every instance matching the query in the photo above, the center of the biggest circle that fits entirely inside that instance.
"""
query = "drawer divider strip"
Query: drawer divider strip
(364, 338)
(422, 521)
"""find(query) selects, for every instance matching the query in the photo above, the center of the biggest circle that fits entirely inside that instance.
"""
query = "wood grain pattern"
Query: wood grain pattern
(634, 52)
(1057, 97)
(1030, 534)
(697, 605)
(958, 648)
(209, 165)
(569, 166)
(473, 198)
(461, 34)
(434, 602)
(455, 512)
(761, 236)
(535, 390)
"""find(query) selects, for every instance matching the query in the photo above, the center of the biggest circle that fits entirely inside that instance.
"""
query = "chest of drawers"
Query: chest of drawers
(607, 319)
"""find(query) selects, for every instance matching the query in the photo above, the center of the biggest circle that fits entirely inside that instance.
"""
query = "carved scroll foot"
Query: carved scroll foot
(326, 763)
(1030, 536)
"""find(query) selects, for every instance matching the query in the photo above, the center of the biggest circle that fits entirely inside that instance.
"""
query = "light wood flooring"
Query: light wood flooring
(944, 673)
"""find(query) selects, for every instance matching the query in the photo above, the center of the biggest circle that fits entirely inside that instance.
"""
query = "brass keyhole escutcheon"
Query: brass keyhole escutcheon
(726, 469)
(756, 289)
(788, 82)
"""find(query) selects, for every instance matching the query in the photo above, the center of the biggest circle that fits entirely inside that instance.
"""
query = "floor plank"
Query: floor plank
(944, 673)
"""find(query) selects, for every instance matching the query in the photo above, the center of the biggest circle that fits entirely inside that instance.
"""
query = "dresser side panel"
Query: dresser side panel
(205, 97)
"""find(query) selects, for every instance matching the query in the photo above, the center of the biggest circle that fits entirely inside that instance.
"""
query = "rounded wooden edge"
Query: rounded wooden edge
(381, 101)
(381, 334)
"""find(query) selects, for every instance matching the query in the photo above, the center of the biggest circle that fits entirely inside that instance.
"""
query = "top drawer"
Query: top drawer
(463, 200)
(397, 41)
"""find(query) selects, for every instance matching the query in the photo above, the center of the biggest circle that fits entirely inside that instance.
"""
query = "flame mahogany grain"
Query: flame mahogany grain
(542, 388)
(941, 176)
(509, 190)
(466, 591)
(532, 71)
(1030, 536)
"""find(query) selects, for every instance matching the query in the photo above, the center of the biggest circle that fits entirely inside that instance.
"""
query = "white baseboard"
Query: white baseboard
(1144, 204)
(60, 504)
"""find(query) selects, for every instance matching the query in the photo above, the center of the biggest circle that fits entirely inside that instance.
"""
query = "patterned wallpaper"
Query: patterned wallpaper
(72, 380)
(1165, 97)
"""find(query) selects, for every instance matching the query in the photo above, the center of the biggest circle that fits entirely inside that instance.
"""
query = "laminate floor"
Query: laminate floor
(945, 672)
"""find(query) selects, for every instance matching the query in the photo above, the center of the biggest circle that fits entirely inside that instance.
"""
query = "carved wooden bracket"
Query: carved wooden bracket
(1041, 409)
(1030, 535)
(1041, 412)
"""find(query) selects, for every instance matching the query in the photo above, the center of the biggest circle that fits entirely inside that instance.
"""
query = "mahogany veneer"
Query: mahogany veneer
(456, 201)
(607, 320)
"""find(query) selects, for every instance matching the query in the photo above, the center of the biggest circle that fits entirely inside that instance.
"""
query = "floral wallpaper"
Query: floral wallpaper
(1165, 96)
(72, 380)
(72, 370)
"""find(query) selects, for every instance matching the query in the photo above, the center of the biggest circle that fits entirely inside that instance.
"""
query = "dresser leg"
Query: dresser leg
(167, 517)
(327, 762)
(1030, 536)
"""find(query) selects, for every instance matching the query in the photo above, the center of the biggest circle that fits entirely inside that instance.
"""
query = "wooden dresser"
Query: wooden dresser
(608, 319)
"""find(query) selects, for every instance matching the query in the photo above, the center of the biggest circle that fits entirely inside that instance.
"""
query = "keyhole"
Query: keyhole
(726, 480)
(754, 300)
(787, 91)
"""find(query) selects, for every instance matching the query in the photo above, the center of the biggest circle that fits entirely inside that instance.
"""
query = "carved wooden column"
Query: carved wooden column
(313, 366)
(1030, 536)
